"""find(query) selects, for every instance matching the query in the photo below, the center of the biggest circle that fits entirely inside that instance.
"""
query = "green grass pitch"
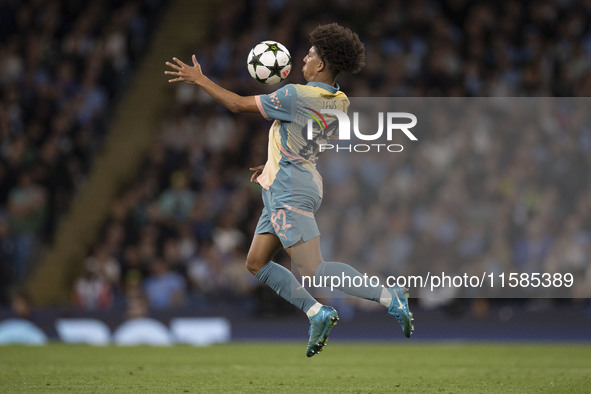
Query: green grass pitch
(343, 367)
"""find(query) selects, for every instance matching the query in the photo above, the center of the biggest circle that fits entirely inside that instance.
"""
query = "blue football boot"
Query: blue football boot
(320, 326)
(399, 309)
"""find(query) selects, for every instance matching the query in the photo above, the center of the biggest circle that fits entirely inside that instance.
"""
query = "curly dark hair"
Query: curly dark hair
(339, 47)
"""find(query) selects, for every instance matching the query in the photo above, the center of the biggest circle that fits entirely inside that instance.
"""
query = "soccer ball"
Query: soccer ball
(269, 62)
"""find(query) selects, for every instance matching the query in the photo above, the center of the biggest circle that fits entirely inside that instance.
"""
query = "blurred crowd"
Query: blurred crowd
(63, 65)
(495, 185)
(459, 199)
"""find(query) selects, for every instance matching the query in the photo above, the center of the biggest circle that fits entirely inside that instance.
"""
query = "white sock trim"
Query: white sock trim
(314, 309)
(385, 297)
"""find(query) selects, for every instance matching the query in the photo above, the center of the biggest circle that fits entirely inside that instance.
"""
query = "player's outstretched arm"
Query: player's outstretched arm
(182, 72)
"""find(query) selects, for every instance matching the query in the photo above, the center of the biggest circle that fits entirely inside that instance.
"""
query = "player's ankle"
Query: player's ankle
(314, 309)
(385, 297)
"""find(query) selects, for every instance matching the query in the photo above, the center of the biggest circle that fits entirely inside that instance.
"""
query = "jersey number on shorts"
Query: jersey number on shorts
(279, 221)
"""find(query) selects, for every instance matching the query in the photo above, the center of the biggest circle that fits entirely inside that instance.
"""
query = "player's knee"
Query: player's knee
(253, 264)
(306, 268)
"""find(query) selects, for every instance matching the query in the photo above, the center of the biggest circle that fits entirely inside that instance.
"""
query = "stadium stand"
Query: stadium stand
(191, 205)
(63, 68)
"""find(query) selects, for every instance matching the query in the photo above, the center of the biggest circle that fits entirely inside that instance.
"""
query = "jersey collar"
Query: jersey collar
(325, 86)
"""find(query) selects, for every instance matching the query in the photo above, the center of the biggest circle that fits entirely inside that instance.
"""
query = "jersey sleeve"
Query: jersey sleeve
(277, 105)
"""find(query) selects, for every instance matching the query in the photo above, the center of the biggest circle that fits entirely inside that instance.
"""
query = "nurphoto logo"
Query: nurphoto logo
(392, 121)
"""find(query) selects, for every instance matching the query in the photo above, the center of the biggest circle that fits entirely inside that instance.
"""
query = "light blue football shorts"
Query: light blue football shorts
(289, 217)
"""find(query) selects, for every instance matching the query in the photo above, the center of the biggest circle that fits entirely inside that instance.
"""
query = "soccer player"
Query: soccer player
(291, 185)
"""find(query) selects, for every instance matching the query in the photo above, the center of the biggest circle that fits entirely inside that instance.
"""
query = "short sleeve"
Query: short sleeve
(277, 105)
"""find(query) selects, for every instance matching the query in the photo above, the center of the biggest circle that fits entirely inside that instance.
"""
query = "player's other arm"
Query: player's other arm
(256, 172)
(183, 72)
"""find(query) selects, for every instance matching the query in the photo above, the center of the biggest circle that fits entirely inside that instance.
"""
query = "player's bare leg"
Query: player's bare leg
(306, 256)
(262, 250)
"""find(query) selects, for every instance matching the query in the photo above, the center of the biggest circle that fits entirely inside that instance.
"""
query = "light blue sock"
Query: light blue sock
(342, 270)
(286, 285)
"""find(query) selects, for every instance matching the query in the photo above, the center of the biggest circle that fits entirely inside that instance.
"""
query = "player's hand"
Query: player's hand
(258, 170)
(185, 73)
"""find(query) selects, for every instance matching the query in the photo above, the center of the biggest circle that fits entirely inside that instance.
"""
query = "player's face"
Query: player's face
(311, 63)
